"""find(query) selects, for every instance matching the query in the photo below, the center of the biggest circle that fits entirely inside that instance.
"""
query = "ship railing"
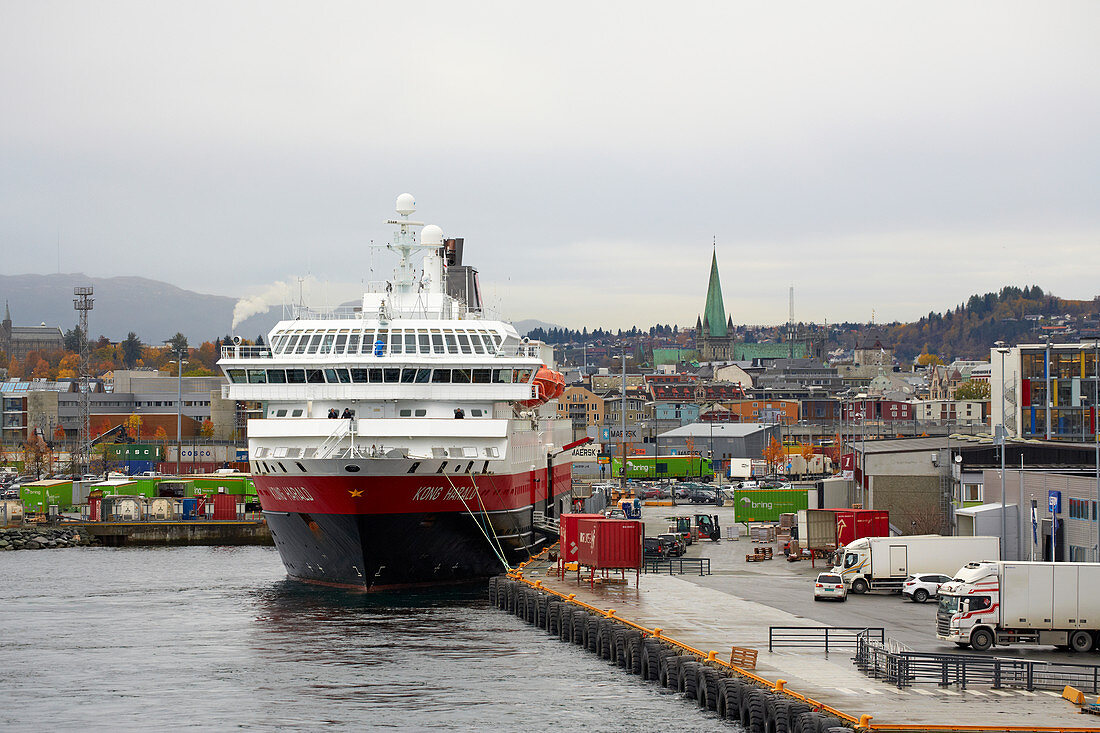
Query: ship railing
(531, 350)
(540, 520)
(246, 352)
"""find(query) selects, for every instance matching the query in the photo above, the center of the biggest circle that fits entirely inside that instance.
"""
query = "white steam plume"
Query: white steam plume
(279, 293)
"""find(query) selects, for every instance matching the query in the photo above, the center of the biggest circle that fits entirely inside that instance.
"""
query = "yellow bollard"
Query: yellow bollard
(538, 583)
(712, 656)
(611, 613)
(657, 633)
(779, 685)
(865, 721)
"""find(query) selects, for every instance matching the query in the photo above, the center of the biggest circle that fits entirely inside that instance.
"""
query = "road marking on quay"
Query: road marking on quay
(870, 691)
(923, 692)
(1029, 693)
(1002, 693)
(1052, 694)
(975, 693)
(844, 690)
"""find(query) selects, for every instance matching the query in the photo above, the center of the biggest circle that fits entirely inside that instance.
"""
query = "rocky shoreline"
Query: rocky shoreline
(43, 538)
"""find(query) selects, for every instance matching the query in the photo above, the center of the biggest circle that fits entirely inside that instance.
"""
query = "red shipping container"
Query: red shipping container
(93, 508)
(567, 550)
(852, 524)
(610, 544)
(225, 506)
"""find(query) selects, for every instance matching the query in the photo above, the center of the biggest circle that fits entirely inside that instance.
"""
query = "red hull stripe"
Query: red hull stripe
(406, 494)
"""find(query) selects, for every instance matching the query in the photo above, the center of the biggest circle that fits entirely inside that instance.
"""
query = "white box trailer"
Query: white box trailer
(883, 563)
(1021, 602)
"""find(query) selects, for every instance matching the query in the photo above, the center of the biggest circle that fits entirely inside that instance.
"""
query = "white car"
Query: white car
(830, 585)
(921, 587)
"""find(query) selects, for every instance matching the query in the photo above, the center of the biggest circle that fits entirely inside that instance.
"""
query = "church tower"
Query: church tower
(714, 331)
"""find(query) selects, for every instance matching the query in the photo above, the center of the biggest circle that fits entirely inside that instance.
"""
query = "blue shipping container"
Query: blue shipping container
(135, 467)
(189, 508)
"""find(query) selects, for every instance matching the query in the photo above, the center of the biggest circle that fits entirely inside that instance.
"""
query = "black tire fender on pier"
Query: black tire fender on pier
(553, 618)
(689, 679)
(733, 698)
(604, 629)
(651, 660)
(708, 688)
(670, 670)
(565, 623)
(592, 634)
(745, 704)
(618, 645)
(493, 590)
(806, 723)
(633, 651)
(757, 711)
(580, 627)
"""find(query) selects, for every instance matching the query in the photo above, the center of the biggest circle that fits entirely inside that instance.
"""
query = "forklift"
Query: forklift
(707, 526)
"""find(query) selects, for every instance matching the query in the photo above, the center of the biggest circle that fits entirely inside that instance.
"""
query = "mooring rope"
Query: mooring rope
(498, 553)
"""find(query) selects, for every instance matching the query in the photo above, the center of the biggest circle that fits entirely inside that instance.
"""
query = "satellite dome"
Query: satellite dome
(431, 236)
(406, 204)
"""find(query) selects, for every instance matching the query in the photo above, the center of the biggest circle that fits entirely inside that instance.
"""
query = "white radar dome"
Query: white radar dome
(431, 236)
(406, 204)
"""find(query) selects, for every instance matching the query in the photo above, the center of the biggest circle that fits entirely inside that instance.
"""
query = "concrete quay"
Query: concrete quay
(733, 607)
(117, 534)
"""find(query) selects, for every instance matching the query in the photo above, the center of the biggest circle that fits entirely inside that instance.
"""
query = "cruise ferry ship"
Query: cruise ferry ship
(406, 440)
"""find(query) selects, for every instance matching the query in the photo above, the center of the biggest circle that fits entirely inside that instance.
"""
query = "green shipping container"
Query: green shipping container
(37, 496)
(765, 505)
(135, 451)
(239, 484)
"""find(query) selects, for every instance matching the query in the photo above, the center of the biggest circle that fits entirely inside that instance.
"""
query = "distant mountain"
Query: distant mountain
(526, 326)
(152, 309)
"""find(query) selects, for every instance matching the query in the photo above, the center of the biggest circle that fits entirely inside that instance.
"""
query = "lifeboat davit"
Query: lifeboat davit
(548, 386)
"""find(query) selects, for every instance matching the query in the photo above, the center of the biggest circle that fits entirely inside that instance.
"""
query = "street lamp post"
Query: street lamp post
(1002, 350)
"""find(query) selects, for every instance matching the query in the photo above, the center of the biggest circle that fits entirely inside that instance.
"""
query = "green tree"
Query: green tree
(131, 349)
(74, 340)
(177, 343)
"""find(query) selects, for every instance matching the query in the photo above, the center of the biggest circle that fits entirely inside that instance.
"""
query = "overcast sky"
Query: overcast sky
(886, 157)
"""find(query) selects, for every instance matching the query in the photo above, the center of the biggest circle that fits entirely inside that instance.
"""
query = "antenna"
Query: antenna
(82, 303)
(790, 326)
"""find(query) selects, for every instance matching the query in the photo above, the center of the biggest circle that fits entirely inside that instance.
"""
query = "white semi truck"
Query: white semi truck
(1021, 603)
(883, 563)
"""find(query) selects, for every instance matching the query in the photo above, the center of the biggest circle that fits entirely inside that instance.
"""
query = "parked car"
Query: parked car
(920, 588)
(830, 585)
(654, 548)
(677, 546)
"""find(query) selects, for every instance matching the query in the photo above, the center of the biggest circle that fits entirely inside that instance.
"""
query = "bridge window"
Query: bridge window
(392, 376)
(326, 343)
(425, 343)
(296, 376)
(441, 376)
(464, 342)
(359, 376)
(257, 376)
(341, 342)
(410, 342)
(423, 376)
(452, 343)
(502, 376)
(460, 376)
(276, 376)
(408, 376)
(315, 376)
(375, 376)
(482, 376)
(236, 375)
(353, 343)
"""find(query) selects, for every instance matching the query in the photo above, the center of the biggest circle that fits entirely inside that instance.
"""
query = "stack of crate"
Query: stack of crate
(763, 533)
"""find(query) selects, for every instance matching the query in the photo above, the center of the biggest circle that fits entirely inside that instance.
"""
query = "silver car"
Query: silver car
(830, 585)
(921, 587)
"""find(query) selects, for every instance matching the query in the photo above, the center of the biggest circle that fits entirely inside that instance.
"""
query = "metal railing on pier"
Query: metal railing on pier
(677, 566)
(827, 638)
(876, 658)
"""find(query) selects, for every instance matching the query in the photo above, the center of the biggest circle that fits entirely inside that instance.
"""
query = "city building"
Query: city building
(714, 337)
(1049, 391)
(582, 406)
(720, 441)
(18, 341)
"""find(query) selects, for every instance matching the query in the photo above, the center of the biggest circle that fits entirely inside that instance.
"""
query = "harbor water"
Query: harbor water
(217, 638)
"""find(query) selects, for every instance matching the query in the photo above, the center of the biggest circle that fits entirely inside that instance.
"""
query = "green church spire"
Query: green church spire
(715, 314)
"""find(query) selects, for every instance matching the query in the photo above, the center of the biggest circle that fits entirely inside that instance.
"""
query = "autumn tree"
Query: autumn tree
(59, 432)
(773, 454)
(161, 433)
(133, 425)
(206, 430)
(972, 390)
(41, 370)
(37, 456)
(68, 367)
(926, 359)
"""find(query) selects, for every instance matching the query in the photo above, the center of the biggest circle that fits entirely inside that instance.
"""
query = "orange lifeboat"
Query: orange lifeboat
(548, 386)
